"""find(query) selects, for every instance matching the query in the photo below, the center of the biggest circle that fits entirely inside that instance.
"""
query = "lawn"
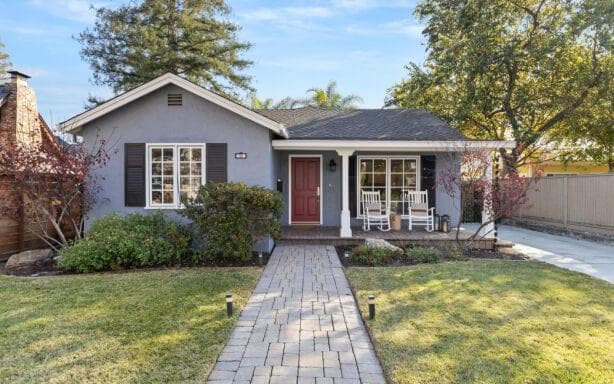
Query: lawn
(489, 322)
(137, 327)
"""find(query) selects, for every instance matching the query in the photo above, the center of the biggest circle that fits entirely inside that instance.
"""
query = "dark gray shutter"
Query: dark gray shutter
(217, 162)
(134, 175)
(352, 182)
(428, 179)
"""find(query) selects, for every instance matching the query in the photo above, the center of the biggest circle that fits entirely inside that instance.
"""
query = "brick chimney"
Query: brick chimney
(19, 118)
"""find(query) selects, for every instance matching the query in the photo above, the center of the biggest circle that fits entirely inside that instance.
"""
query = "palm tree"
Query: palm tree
(285, 103)
(329, 97)
(257, 103)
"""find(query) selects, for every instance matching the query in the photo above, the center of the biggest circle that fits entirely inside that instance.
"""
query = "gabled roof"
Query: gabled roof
(86, 117)
(312, 123)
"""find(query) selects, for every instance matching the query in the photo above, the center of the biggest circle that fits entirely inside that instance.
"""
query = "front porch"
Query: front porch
(321, 182)
(299, 234)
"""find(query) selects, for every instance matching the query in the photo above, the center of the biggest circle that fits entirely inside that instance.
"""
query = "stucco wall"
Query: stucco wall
(151, 120)
(331, 184)
(331, 197)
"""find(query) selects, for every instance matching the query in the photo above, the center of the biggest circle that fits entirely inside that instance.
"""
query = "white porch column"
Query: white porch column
(346, 230)
(489, 230)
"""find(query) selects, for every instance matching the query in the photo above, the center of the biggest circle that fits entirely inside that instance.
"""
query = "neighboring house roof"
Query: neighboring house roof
(86, 117)
(312, 123)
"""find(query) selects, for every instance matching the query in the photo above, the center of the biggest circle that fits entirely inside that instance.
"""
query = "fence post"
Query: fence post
(565, 202)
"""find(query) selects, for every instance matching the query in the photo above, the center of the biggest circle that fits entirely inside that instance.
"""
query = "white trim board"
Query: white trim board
(75, 123)
(391, 145)
(290, 156)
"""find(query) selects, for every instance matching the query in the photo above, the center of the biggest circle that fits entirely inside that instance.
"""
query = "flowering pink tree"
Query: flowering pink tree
(500, 195)
(54, 187)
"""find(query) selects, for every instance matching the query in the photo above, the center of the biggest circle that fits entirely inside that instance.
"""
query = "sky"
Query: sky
(362, 44)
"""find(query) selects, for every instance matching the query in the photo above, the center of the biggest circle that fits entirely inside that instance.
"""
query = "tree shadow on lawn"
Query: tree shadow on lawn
(490, 321)
(160, 326)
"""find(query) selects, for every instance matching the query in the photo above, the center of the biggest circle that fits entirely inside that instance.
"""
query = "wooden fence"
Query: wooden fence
(580, 203)
(17, 233)
(14, 236)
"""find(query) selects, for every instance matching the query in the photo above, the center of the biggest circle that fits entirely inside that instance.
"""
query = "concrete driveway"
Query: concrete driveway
(592, 258)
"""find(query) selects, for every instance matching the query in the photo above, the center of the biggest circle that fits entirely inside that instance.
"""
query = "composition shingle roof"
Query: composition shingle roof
(362, 124)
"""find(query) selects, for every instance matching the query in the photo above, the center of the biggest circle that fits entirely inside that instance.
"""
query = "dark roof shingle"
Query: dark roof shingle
(362, 124)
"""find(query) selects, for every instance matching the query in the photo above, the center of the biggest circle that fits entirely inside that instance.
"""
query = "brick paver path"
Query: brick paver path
(301, 324)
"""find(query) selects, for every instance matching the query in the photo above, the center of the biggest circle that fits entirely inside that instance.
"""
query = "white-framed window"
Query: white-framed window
(174, 171)
(390, 176)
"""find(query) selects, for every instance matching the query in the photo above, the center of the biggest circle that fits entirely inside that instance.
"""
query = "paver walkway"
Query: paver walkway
(301, 324)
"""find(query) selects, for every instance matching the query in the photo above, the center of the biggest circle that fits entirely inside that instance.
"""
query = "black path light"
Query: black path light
(229, 301)
(371, 301)
(260, 259)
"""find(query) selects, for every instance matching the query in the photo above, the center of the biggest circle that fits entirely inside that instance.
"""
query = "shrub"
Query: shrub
(229, 218)
(456, 253)
(373, 256)
(424, 255)
(121, 242)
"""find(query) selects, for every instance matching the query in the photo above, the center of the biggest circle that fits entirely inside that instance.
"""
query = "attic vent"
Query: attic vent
(175, 99)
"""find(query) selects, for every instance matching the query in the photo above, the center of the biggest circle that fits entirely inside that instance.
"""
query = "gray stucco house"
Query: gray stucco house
(172, 135)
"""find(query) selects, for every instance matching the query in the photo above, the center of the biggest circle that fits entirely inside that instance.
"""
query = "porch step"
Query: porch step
(504, 244)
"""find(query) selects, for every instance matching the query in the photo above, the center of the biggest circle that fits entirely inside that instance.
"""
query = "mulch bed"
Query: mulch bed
(473, 254)
(253, 262)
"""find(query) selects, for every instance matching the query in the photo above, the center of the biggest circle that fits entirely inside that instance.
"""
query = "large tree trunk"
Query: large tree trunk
(509, 160)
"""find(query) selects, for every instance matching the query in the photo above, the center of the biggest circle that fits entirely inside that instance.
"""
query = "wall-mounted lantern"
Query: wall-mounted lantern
(241, 155)
(332, 165)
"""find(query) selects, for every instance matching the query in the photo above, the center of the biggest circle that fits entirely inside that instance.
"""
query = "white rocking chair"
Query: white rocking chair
(418, 209)
(373, 213)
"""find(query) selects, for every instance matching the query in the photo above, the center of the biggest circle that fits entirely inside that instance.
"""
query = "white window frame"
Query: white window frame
(176, 187)
(388, 173)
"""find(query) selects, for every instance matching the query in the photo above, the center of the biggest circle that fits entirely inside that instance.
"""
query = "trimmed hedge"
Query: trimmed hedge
(122, 242)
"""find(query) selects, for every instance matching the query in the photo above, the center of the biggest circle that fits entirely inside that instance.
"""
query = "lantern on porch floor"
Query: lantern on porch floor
(437, 223)
(445, 223)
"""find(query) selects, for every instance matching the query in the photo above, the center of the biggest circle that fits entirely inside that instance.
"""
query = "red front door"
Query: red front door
(305, 193)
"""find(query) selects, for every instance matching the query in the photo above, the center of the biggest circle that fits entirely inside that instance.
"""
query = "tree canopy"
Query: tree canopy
(137, 42)
(513, 69)
(5, 64)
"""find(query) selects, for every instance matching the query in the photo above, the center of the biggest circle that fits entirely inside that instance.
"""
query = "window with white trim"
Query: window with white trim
(174, 171)
(390, 176)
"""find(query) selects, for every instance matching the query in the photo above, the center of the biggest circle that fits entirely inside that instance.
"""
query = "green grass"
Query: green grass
(136, 327)
(489, 322)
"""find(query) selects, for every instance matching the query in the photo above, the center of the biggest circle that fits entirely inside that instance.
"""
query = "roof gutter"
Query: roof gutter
(394, 145)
